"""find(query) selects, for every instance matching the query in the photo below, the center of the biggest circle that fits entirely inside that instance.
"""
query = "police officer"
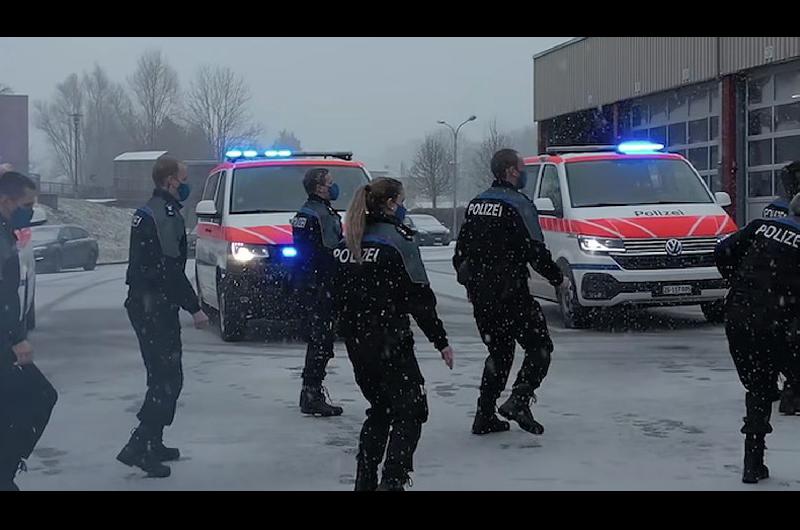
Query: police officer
(317, 231)
(762, 319)
(26, 396)
(158, 289)
(790, 178)
(500, 238)
(381, 280)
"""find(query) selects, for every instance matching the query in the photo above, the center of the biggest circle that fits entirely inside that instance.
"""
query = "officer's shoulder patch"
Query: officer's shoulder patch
(170, 208)
(137, 220)
(299, 222)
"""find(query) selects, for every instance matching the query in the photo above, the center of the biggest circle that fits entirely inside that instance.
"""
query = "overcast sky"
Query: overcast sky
(354, 93)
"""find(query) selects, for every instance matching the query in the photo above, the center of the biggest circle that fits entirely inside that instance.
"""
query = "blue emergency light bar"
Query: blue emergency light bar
(289, 252)
(252, 154)
(636, 147)
(639, 147)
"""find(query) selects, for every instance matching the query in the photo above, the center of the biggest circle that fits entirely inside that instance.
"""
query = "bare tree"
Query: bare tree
(5, 89)
(55, 120)
(217, 104)
(493, 141)
(287, 140)
(156, 92)
(105, 134)
(430, 173)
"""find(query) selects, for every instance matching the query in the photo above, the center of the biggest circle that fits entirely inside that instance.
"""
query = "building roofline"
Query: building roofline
(558, 47)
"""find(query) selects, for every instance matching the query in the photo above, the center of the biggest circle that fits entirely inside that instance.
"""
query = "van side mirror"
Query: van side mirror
(723, 199)
(207, 209)
(545, 206)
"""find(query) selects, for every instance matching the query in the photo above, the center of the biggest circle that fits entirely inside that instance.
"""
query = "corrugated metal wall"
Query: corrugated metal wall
(739, 53)
(601, 70)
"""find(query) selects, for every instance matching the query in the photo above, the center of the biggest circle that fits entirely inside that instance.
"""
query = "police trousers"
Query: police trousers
(761, 346)
(158, 330)
(387, 372)
(502, 323)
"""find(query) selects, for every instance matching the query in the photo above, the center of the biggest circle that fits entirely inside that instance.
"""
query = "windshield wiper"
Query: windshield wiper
(260, 211)
(602, 204)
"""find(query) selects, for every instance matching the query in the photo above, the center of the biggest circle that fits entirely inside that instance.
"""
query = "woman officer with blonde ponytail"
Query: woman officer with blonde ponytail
(381, 280)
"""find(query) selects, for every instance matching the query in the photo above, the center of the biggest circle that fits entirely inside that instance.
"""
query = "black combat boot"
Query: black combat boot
(754, 468)
(789, 401)
(486, 421)
(312, 401)
(8, 471)
(518, 409)
(161, 451)
(139, 452)
(392, 482)
(366, 477)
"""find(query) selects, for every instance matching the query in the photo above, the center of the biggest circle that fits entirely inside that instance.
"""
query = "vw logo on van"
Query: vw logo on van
(674, 247)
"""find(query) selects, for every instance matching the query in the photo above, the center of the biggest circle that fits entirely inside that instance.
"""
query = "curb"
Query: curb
(112, 263)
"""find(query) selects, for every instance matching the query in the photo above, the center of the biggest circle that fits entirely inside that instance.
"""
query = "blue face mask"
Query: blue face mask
(523, 180)
(21, 218)
(333, 192)
(184, 190)
(400, 213)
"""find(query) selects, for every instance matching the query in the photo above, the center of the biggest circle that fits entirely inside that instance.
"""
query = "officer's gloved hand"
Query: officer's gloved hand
(200, 320)
(24, 352)
(448, 355)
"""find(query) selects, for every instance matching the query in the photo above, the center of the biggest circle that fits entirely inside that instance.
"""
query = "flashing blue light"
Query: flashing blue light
(640, 147)
(250, 153)
(275, 153)
(289, 252)
(233, 154)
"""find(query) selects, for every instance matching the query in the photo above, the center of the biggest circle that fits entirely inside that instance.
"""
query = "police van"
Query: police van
(244, 255)
(628, 225)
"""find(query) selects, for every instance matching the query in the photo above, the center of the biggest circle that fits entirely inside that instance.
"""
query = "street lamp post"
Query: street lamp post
(455, 130)
(76, 121)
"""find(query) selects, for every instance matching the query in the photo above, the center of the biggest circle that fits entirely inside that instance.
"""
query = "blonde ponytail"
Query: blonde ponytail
(355, 221)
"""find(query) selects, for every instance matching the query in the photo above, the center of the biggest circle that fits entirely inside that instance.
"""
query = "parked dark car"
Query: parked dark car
(430, 231)
(191, 242)
(57, 247)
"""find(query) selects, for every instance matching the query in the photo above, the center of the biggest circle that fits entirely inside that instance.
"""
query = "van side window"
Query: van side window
(533, 179)
(220, 197)
(551, 188)
(211, 187)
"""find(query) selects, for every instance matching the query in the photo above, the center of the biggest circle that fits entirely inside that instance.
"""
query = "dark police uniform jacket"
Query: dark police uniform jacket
(317, 231)
(500, 237)
(391, 283)
(12, 329)
(777, 208)
(157, 259)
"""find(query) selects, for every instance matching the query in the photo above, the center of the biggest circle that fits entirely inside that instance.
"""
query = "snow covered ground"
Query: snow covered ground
(647, 403)
(109, 224)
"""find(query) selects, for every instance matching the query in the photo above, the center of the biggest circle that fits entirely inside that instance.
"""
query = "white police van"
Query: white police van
(244, 253)
(628, 225)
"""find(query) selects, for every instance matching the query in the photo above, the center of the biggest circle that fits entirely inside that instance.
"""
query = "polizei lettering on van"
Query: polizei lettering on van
(781, 235)
(368, 255)
(486, 208)
(657, 213)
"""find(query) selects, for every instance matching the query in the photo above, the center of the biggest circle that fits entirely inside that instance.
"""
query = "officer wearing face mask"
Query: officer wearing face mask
(317, 231)
(158, 289)
(26, 396)
(500, 238)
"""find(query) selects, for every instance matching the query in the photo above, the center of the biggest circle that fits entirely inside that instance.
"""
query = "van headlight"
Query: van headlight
(599, 244)
(244, 252)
